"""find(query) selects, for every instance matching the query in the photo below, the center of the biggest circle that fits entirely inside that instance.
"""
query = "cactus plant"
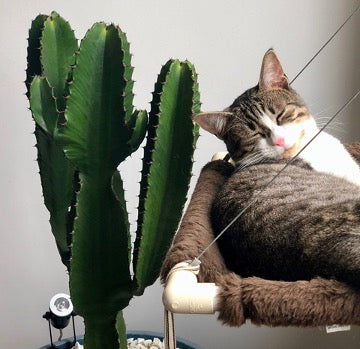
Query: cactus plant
(82, 102)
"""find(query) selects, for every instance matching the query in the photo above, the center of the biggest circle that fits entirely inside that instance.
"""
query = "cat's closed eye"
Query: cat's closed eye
(285, 116)
(290, 113)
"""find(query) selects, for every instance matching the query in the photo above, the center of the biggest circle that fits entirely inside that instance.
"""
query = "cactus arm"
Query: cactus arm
(58, 176)
(95, 137)
(42, 105)
(169, 151)
(56, 173)
(138, 125)
(148, 149)
(90, 104)
(58, 45)
(57, 180)
(33, 51)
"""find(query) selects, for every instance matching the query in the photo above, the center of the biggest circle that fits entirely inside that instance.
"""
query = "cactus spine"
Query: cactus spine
(82, 103)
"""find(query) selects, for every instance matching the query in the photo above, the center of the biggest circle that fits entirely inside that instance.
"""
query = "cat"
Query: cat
(307, 222)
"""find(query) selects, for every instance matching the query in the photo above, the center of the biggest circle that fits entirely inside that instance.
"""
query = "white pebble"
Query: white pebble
(157, 341)
(141, 343)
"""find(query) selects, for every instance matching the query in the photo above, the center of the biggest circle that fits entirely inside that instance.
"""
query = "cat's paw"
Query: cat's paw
(223, 155)
(219, 155)
(220, 162)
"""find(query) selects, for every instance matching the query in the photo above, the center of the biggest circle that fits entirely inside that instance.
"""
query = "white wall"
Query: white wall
(225, 40)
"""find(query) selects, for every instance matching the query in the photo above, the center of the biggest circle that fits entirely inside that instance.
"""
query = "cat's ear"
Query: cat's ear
(272, 74)
(213, 122)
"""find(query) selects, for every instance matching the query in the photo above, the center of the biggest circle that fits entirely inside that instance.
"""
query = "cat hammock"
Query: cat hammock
(317, 302)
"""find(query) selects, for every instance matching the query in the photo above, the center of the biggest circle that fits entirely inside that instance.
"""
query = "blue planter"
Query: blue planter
(180, 342)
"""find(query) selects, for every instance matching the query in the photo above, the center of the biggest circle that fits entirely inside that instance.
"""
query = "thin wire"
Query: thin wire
(323, 46)
(278, 174)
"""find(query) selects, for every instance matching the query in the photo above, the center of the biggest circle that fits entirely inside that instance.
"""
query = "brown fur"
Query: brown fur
(354, 150)
(292, 231)
(316, 302)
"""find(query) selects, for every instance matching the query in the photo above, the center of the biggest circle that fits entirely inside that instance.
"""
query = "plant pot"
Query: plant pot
(180, 342)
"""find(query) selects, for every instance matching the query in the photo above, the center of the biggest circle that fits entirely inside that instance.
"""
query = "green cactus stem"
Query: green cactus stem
(58, 45)
(56, 173)
(33, 51)
(82, 103)
(167, 167)
(47, 36)
(96, 138)
(138, 126)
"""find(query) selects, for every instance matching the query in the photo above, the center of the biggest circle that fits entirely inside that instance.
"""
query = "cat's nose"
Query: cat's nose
(279, 141)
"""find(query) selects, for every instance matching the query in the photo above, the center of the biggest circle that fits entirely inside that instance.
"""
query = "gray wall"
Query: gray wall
(225, 40)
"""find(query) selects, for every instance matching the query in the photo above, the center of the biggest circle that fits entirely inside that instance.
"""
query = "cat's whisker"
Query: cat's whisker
(253, 159)
(337, 131)
(321, 119)
(326, 110)
(248, 161)
(325, 119)
(336, 126)
(251, 162)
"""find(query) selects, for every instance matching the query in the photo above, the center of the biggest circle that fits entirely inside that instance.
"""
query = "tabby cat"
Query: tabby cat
(307, 222)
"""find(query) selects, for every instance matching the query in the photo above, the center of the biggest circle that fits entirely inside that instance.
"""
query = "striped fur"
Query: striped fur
(307, 223)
